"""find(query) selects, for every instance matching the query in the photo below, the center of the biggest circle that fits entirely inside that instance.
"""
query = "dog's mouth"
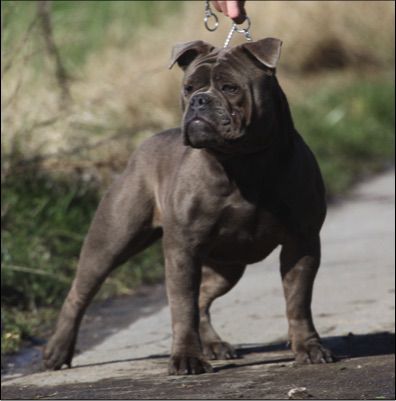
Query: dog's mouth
(200, 122)
(219, 135)
(199, 133)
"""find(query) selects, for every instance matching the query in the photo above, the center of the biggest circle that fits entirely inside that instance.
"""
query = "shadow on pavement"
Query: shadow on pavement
(349, 346)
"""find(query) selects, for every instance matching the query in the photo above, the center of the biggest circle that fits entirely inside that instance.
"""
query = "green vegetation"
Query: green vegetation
(81, 27)
(45, 215)
(350, 130)
(44, 220)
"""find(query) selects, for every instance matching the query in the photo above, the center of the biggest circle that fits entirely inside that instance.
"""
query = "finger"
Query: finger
(220, 6)
(236, 11)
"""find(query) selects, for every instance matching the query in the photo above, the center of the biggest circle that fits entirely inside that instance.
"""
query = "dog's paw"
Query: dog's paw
(219, 350)
(314, 353)
(188, 365)
(58, 353)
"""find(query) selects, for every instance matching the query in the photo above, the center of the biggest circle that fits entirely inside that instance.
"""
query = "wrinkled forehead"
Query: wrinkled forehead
(218, 64)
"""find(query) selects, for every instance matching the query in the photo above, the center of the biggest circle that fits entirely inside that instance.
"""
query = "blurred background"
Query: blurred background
(83, 83)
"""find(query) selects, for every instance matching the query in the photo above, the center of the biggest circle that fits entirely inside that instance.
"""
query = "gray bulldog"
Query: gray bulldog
(223, 191)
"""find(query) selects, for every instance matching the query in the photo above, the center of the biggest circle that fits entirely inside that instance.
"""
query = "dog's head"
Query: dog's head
(228, 95)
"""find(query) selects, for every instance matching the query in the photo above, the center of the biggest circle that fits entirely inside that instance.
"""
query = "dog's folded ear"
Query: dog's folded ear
(185, 53)
(267, 51)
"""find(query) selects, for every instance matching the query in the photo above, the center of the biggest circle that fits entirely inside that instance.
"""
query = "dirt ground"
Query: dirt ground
(124, 343)
(366, 371)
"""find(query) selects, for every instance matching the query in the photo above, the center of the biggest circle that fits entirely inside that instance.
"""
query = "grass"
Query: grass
(81, 28)
(44, 220)
(350, 130)
(116, 55)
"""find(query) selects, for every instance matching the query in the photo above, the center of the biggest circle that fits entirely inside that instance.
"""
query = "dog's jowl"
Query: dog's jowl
(223, 191)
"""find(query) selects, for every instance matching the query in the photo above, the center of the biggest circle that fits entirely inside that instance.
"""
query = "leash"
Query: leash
(213, 25)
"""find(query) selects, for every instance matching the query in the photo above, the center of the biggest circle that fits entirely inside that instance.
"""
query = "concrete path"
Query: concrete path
(354, 293)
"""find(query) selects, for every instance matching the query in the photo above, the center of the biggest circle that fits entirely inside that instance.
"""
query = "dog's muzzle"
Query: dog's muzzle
(199, 131)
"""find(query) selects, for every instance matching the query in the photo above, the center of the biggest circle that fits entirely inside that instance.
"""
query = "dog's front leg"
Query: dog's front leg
(183, 278)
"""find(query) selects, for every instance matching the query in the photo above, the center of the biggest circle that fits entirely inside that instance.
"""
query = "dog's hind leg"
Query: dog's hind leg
(122, 226)
(299, 264)
(216, 281)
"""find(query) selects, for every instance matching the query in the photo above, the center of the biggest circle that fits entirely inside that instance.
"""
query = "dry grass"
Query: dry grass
(128, 93)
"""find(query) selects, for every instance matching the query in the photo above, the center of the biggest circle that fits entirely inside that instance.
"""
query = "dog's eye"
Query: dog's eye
(230, 88)
(188, 89)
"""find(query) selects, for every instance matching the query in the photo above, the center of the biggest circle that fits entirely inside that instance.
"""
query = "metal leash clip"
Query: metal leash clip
(210, 14)
(244, 31)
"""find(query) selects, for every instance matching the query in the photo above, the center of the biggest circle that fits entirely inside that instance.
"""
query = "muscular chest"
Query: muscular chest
(246, 231)
(228, 213)
(242, 220)
(232, 227)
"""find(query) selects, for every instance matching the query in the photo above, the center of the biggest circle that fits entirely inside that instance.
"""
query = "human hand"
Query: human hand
(233, 9)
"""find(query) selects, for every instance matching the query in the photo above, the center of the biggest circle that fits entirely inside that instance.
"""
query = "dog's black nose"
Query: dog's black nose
(200, 101)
